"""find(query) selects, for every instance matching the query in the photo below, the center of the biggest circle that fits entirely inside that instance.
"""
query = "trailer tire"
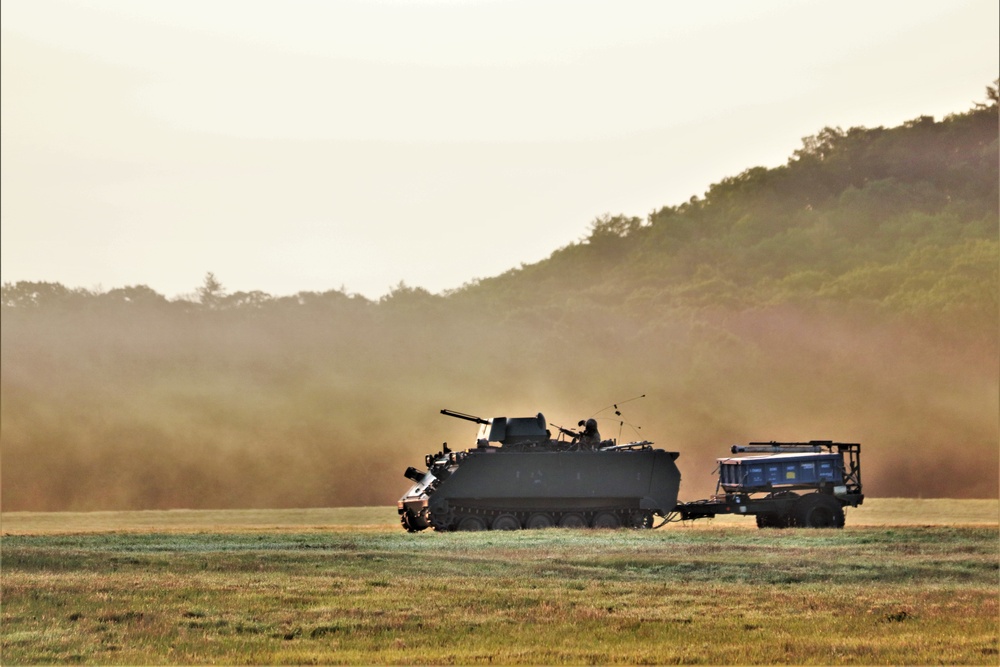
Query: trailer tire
(784, 516)
(818, 510)
(770, 520)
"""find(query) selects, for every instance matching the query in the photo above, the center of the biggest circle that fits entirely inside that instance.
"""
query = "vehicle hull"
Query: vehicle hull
(624, 486)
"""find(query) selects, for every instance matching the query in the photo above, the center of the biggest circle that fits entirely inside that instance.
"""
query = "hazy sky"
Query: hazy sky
(313, 145)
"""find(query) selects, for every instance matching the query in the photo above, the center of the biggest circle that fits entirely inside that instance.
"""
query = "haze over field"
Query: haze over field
(325, 159)
(851, 294)
(274, 411)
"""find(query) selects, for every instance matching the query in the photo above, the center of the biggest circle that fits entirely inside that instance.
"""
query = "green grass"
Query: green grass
(863, 595)
(198, 520)
(874, 512)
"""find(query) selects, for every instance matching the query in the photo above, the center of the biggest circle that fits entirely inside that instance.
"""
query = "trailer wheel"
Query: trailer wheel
(784, 518)
(772, 521)
(818, 510)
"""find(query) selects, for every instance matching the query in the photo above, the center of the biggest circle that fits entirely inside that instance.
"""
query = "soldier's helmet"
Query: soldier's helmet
(591, 425)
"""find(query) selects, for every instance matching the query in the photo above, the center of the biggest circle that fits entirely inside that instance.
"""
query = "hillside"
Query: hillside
(903, 220)
(850, 294)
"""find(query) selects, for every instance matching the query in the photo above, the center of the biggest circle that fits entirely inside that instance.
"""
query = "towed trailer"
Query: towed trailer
(785, 484)
(518, 476)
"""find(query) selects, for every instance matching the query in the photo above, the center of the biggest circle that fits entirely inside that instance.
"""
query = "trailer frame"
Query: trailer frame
(814, 504)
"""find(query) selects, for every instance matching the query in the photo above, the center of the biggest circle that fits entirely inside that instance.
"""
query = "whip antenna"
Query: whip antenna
(615, 405)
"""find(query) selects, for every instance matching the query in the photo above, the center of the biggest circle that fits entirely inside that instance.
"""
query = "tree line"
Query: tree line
(901, 219)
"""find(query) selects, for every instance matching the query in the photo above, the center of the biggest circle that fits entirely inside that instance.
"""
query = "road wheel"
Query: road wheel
(572, 520)
(607, 520)
(472, 523)
(818, 510)
(540, 520)
(506, 522)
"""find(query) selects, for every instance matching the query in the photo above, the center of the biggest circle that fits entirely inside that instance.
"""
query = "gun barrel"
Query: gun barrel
(462, 415)
(566, 431)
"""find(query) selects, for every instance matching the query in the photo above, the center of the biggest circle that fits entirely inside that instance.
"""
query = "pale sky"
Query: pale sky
(314, 145)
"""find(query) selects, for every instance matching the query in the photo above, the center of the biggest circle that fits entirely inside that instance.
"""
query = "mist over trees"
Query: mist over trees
(849, 294)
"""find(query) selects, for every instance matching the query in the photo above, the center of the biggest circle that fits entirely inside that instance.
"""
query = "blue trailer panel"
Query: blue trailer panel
(761, 472)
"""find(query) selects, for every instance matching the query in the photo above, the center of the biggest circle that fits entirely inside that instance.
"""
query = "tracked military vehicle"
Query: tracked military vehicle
(518, 476)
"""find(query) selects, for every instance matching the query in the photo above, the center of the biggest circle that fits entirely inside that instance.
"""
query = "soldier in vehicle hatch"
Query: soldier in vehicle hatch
(590, 438)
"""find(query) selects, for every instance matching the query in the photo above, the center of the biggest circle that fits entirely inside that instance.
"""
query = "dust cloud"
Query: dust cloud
(304, 406)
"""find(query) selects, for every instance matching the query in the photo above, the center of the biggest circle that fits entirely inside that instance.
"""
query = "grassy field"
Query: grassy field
(874, 512)
(349, 586)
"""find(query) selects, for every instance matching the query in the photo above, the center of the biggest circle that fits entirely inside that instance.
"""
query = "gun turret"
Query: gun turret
(462, 415)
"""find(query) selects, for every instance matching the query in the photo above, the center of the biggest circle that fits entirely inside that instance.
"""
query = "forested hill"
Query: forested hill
(901, 219)
(851, 294)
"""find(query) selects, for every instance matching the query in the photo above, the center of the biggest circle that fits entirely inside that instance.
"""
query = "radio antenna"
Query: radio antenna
(618, 413)
(615, 406)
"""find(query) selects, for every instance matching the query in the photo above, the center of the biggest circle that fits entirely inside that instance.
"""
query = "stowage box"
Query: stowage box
(762, 472)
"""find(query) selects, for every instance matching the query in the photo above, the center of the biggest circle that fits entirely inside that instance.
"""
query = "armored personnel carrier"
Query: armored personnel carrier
(517, 476)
